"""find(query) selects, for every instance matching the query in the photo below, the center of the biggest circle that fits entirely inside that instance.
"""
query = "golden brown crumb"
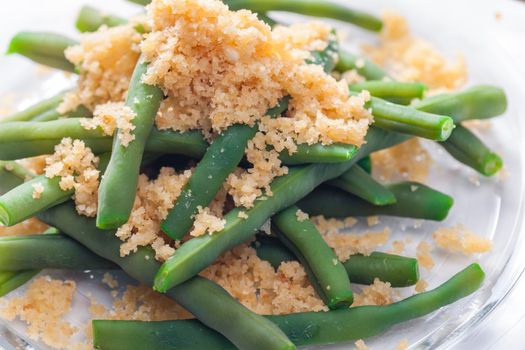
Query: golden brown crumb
(498, 15)
(44, 307)
(38, 189)
(398, 247)
(360, 345)
(153, 201)
(421, 286)
(27, 227)
(110, 116)
(76, 165)
(372, 220)
(34, 164)
(459, 239)
(409, 58)
(106, 59)
(206, 222)
(242, 214)
(378, 293)
(109, 280)
(402, 345)
(259, 287)
(301, 215)
(423, 255)
(406, 161)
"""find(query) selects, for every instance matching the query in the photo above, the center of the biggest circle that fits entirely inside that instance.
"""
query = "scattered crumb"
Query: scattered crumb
(360, 345)
(474, 179)
(406, 161)
(301, 215)
(110, 116)
(402, 345)
(421, 286)
(372, 220)
(38, 189)
(109, 280)
(408, 58)
(352, 77)
(242, 215)
(398, 247)
(460, 239)
(498, 15)
(378, 293)
(34, 164)
(206, 222)
(27, 227)
(423, 255)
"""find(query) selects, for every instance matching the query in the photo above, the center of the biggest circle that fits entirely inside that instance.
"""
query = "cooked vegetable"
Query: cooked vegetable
(90, 19)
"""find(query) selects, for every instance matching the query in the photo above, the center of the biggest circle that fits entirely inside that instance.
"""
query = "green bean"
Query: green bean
(118, 187)
(90, 19)
(319, 153)
(397, 270)
(391, 89)
(198, 253)
(219, 161)
(324, 270)
(211, 304)
(13, 280)
(53, 114)
(266, 19)
(478, 102)
(50, 251)
(35, 110)
(414, 200)
(470, 150)
(12, 174)
(358, 182)
(367, 69)
(411, 121)
(309, 328)
(311, 8)
(44, 48)
(366, 164)
(18, 204)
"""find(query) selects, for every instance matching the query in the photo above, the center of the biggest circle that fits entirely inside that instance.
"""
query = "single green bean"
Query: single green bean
(367, 69)
(35, 110)
(211, 304)
(118, 187)
(12, 174)
(411, 121)
(470, 150)
(310, 8)
(359, 183)
(325, 271)
(391, 89)
(50, 251)
(196, 254)
(44, 48)
(414, 200)
(319, 153)
(90, 19)
(18, 204)
(397, 270)
(478, 102)
(309, 328)
(53, 114)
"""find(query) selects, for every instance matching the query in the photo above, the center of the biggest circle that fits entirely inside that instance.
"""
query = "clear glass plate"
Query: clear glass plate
(491, 207)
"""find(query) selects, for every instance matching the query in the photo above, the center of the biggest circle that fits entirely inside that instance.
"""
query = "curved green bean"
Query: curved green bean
(311, 8)
(391, 89)
(211, 304)
(35, 110)
(324, 270)
(90, 19)
(52, 251)
(478, 102)
(118, 187)
(414, 200)
(309, 328)
(198, 253)
(44, 48)
(358, 182)
(470, 150)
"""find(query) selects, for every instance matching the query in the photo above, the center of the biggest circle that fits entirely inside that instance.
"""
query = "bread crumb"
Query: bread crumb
(402, 345)
(408, 58)
(242, 215)
(27, 227)
(301, 215)
(206, 222)
(109, 280)
(378, 293)
(38, 189)
(406, 161)
(34, 164)
(424, 258)
(43, 307)
(498, 15)
(360, 345)
(110, 116)
(76, 165)
(421, 286)
(460, 239)
(372, 220)
(398, 247)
